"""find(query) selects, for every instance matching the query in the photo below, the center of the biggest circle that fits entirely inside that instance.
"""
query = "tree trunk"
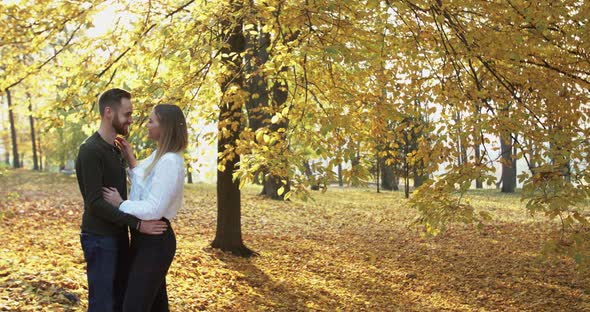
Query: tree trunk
(378, 173)
(271, 187)
(41, 167)
(5, 140)
(387, 176)
(477, 145)
(15, 159)
(508, 165)
(533, 160)
(478, 181)
(419, 176)
(463, 153)
(33, 140)
(340, 179)
(560, 160)
(309, 174)
(459, 150)
(396, 182)
(407, 180)
(228, 236)
(258, 100)
(189, 173)
(259, 111)
(418, 179)
(407, 187)
(272, 182)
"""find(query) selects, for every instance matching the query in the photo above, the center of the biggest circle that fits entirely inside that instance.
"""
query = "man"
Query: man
(104, 231)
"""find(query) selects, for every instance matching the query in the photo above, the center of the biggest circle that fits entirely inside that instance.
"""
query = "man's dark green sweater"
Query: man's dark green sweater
(100, 164)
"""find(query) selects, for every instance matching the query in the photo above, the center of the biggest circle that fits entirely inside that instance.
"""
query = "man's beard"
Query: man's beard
(119, 127)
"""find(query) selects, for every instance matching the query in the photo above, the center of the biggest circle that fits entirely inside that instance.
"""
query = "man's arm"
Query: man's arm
(92, 174)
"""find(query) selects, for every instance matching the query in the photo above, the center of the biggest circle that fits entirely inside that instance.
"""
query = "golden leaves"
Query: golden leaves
(346, 250)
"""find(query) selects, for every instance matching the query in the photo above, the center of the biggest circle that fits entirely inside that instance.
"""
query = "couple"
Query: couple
(124, 275)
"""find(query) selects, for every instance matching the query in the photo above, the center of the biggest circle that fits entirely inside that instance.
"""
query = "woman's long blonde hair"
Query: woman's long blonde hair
(173, 132)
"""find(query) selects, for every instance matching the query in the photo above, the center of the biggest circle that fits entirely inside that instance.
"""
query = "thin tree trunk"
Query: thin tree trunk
(463, 153)
(5, 140)
(418, 179)
(309, 174)
(407, 179)
(395, 182)
(189, 173)
(407, 187)
(560, 160)
(478, 181)
(41, 167)
(33, 141)
(533, 160)
(228, 236)
(340, 179)
(377, 174)
(477, 148)
(62, 153)
(459, 150)
(508, 165)
(15, 159)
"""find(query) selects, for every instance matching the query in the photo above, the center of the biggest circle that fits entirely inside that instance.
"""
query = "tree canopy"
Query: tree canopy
(405, 82)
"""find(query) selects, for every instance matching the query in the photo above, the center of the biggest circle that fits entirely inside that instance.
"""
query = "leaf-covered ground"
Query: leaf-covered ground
(348, 250)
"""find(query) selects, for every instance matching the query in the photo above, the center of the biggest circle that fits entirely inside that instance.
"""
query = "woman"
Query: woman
(156, 193)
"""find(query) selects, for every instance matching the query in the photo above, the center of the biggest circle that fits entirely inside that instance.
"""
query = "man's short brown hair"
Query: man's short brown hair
(112, 98)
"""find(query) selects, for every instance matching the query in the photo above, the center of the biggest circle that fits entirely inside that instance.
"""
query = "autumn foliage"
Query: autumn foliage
(430, 95)
(347, 250)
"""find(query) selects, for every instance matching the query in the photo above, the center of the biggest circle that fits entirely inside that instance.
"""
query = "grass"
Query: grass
(347, 250)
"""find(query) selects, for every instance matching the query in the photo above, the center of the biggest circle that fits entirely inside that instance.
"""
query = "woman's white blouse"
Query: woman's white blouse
(160, 194)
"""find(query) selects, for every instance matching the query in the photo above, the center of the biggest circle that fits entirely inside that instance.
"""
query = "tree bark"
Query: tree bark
(309, 174)
(39, 148)
(33, 140)
(406, 178)
(189, 173)
(418, 179)
(258, 100)
(508, 165)
(478, 181)
(477, 146)
(378, 173)
(15, 159)
(259, 111)
(272, 182)
(340, 179)
(387, 176)
(228, 236)
(5, 141)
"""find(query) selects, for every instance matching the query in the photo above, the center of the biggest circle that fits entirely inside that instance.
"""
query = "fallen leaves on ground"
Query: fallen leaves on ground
(346, 250)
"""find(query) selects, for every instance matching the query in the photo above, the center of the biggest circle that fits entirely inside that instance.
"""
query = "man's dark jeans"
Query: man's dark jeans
(107, 266)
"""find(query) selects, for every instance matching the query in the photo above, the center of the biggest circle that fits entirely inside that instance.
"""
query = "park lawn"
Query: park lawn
(347, 250)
